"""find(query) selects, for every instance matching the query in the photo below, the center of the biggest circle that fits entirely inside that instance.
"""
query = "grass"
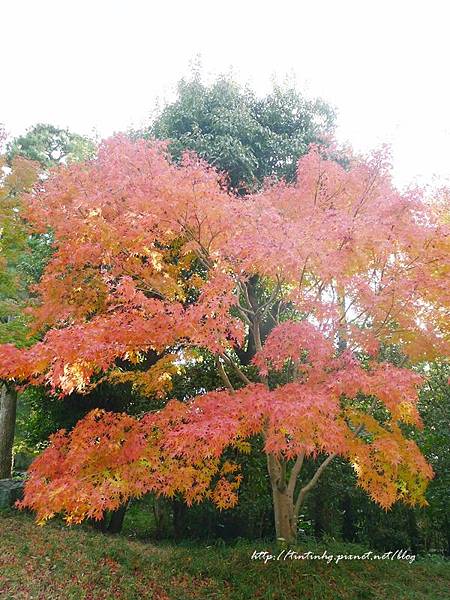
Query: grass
(56, 562)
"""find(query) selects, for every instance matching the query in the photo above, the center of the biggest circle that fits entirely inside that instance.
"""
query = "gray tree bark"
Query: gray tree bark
(8, 405)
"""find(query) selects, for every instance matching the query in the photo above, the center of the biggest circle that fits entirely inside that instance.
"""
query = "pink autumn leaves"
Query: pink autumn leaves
(154, 255)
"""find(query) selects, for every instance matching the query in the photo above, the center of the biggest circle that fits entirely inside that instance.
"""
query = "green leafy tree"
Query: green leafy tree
(434, 441)
(49, 145)
(247, 137)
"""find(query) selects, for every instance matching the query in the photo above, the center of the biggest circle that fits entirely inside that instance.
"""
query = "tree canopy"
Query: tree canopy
(49, 145)
(357, 263)
(247, 137)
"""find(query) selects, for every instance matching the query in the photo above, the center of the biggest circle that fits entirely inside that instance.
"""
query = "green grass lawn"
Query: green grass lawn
(58, 562)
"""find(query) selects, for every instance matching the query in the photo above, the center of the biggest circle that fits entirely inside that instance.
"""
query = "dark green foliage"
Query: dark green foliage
(49, 146)
(40, 415)
(246, 137)
(434, 441)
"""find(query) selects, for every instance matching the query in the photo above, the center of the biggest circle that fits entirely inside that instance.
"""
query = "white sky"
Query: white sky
(102, 64)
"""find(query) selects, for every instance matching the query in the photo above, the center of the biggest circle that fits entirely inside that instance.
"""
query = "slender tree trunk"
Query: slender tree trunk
(8, 405)
(283, 501)
(349, 519)
(285, 524)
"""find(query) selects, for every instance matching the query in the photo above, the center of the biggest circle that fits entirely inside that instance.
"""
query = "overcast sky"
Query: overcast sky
(101, 65)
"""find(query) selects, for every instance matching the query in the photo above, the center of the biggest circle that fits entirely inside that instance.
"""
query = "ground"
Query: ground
(56, 562)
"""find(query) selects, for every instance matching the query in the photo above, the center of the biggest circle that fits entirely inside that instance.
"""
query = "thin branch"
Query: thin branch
(311, 483)
(245, 310)
(243, 315)
(223, 375)
(262, 310)
(239, 373)
(303, 272)
(244, 290)
(295, 473)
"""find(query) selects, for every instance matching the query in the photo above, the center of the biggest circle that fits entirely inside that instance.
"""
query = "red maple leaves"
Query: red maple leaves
(150, 255)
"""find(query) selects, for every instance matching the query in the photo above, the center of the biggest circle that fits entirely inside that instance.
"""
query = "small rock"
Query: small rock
(10, 491)
(22, 460)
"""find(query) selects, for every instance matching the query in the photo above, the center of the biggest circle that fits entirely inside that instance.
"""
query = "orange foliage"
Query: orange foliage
(151, 255)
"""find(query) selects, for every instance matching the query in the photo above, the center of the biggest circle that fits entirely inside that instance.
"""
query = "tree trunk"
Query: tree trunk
(161, 514)
(100, 524)
(8, 405)
(112, 520)
(283, 502)
(283, 507)
(117, 517)
(349, 519)
(179, 518)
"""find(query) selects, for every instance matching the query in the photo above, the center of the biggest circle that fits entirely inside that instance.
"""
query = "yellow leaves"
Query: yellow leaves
(388, 466)
(196, 281)
(358, 418)
(157, 380)
(134, 357)
(356, 467)
(407, 413)
(243, 446)
(229, 467)
(157, 260)
(158, 267)
(75, 377)
(224, 493)
(95, 212)
(42, 520)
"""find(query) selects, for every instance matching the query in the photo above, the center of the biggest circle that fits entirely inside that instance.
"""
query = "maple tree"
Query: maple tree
(152, 255)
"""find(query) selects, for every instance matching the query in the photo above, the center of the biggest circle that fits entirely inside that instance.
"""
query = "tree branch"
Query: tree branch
(239, 373)
(311, 483)
(223, 374)
(295, 473)
(262, 310)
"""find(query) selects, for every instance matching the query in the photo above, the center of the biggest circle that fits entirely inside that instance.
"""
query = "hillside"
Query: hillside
(56, 562)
